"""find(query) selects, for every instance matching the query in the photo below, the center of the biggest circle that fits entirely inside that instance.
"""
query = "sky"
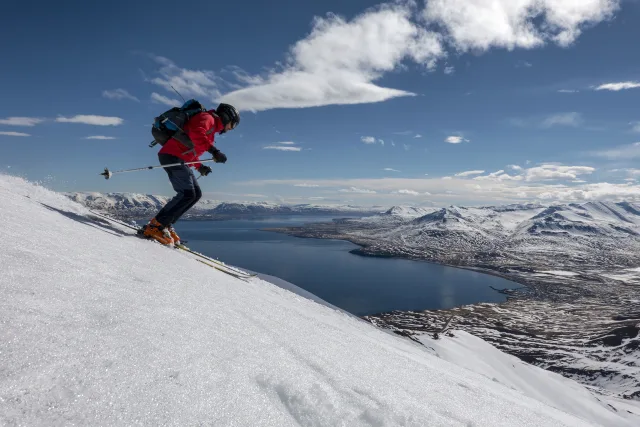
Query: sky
(466, 102)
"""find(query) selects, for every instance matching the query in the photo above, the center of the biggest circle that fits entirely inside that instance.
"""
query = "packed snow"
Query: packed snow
(101, 328)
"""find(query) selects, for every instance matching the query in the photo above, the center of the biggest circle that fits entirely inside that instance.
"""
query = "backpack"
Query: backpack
(172, 121)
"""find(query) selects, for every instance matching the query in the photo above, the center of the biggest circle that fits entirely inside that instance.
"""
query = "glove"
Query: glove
(204, 170)
(218, 155)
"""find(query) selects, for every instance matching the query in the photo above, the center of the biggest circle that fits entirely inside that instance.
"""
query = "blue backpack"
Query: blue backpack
(171, 123)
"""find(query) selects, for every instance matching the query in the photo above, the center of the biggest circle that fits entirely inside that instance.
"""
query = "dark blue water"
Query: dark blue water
(360, 285)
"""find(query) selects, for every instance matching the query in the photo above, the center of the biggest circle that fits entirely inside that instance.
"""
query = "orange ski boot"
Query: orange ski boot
(157, 231)
(174, 235)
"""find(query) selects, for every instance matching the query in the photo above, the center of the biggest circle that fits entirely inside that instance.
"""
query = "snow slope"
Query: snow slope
(100, 328)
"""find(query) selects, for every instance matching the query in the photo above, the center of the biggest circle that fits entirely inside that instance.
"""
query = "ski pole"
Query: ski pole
(108, 174)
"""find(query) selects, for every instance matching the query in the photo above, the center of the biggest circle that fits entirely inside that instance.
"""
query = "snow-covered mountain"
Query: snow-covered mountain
(579, 312)
(138, 206)
(102, 328)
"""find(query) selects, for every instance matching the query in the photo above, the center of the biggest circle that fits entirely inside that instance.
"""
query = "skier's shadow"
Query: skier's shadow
(90, 220)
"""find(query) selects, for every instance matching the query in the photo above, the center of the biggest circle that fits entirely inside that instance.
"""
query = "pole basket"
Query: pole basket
(107, 173)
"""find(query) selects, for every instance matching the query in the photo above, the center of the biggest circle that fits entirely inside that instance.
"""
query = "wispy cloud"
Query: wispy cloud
(635, 127)
(91, 120)
(523, 64)
(21, 121)
(449, 70)
(499, 176)
(198, 83)
(119, 94)
(630, 151)
(286, 143)
(100, 137)
(281, 148)
(14, 133)
(391, 170)
(456, 139)
(418, 136)
(407, 192)
(515, 167)
(469, 173)
(161, 99)
(568, 91)
(616, 87)
(552, 171)
(563, 119)
(305, 185)
(368, 140)
(357, 190)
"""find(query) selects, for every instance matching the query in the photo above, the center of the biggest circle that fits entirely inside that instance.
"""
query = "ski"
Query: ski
(117, 221)
(242, 277)
(215, 261)
(219, 265)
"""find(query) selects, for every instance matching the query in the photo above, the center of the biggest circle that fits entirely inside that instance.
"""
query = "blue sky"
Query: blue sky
(445, 102)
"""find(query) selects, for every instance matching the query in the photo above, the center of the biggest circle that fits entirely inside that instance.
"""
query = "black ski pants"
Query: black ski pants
(186, 185)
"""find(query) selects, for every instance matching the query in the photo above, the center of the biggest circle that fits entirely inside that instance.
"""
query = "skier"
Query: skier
(200, 130)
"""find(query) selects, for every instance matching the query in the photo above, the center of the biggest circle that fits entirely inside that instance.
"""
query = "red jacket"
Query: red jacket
(201, 129)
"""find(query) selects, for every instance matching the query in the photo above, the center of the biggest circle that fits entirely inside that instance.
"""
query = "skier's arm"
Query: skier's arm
(197, 132)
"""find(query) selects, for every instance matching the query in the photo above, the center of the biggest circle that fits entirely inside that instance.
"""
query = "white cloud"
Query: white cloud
(391, 170)
(14, 134)
(119, 94)
(305, 185)
(449, 70)
(100, 137)
(619, 86)
(393, 144)
(478, 25)
(597, 191)
(406, 147)
(563, 119)
(446, 178)
(368, 140)
(515, 167)
(469, 173)
(21, 121)
(357, 190)
(456, 140)
(91, 120)
(381, 141)
(339, 60)
(418, 136)
(568, 91)
(631, 151)
(465, 192)
(551, 171)
(161, 99)
(286, 143)
(407, 192)
(523, 64)
(281, 148)
(316, 198)
(499, 176)
(635, 127)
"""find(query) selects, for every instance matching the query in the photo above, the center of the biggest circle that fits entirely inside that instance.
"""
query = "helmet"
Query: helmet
(228, 114)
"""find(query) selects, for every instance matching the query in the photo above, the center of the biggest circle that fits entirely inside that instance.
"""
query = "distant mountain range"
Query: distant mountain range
(579, 314)
(140, 206)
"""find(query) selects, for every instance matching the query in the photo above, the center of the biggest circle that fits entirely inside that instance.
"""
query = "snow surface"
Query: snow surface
(100, 328)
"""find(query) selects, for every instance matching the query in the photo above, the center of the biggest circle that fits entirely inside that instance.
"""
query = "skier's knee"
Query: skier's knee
(189, 195)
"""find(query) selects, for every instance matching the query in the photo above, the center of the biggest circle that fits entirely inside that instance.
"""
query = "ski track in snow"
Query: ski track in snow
(101, 328)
